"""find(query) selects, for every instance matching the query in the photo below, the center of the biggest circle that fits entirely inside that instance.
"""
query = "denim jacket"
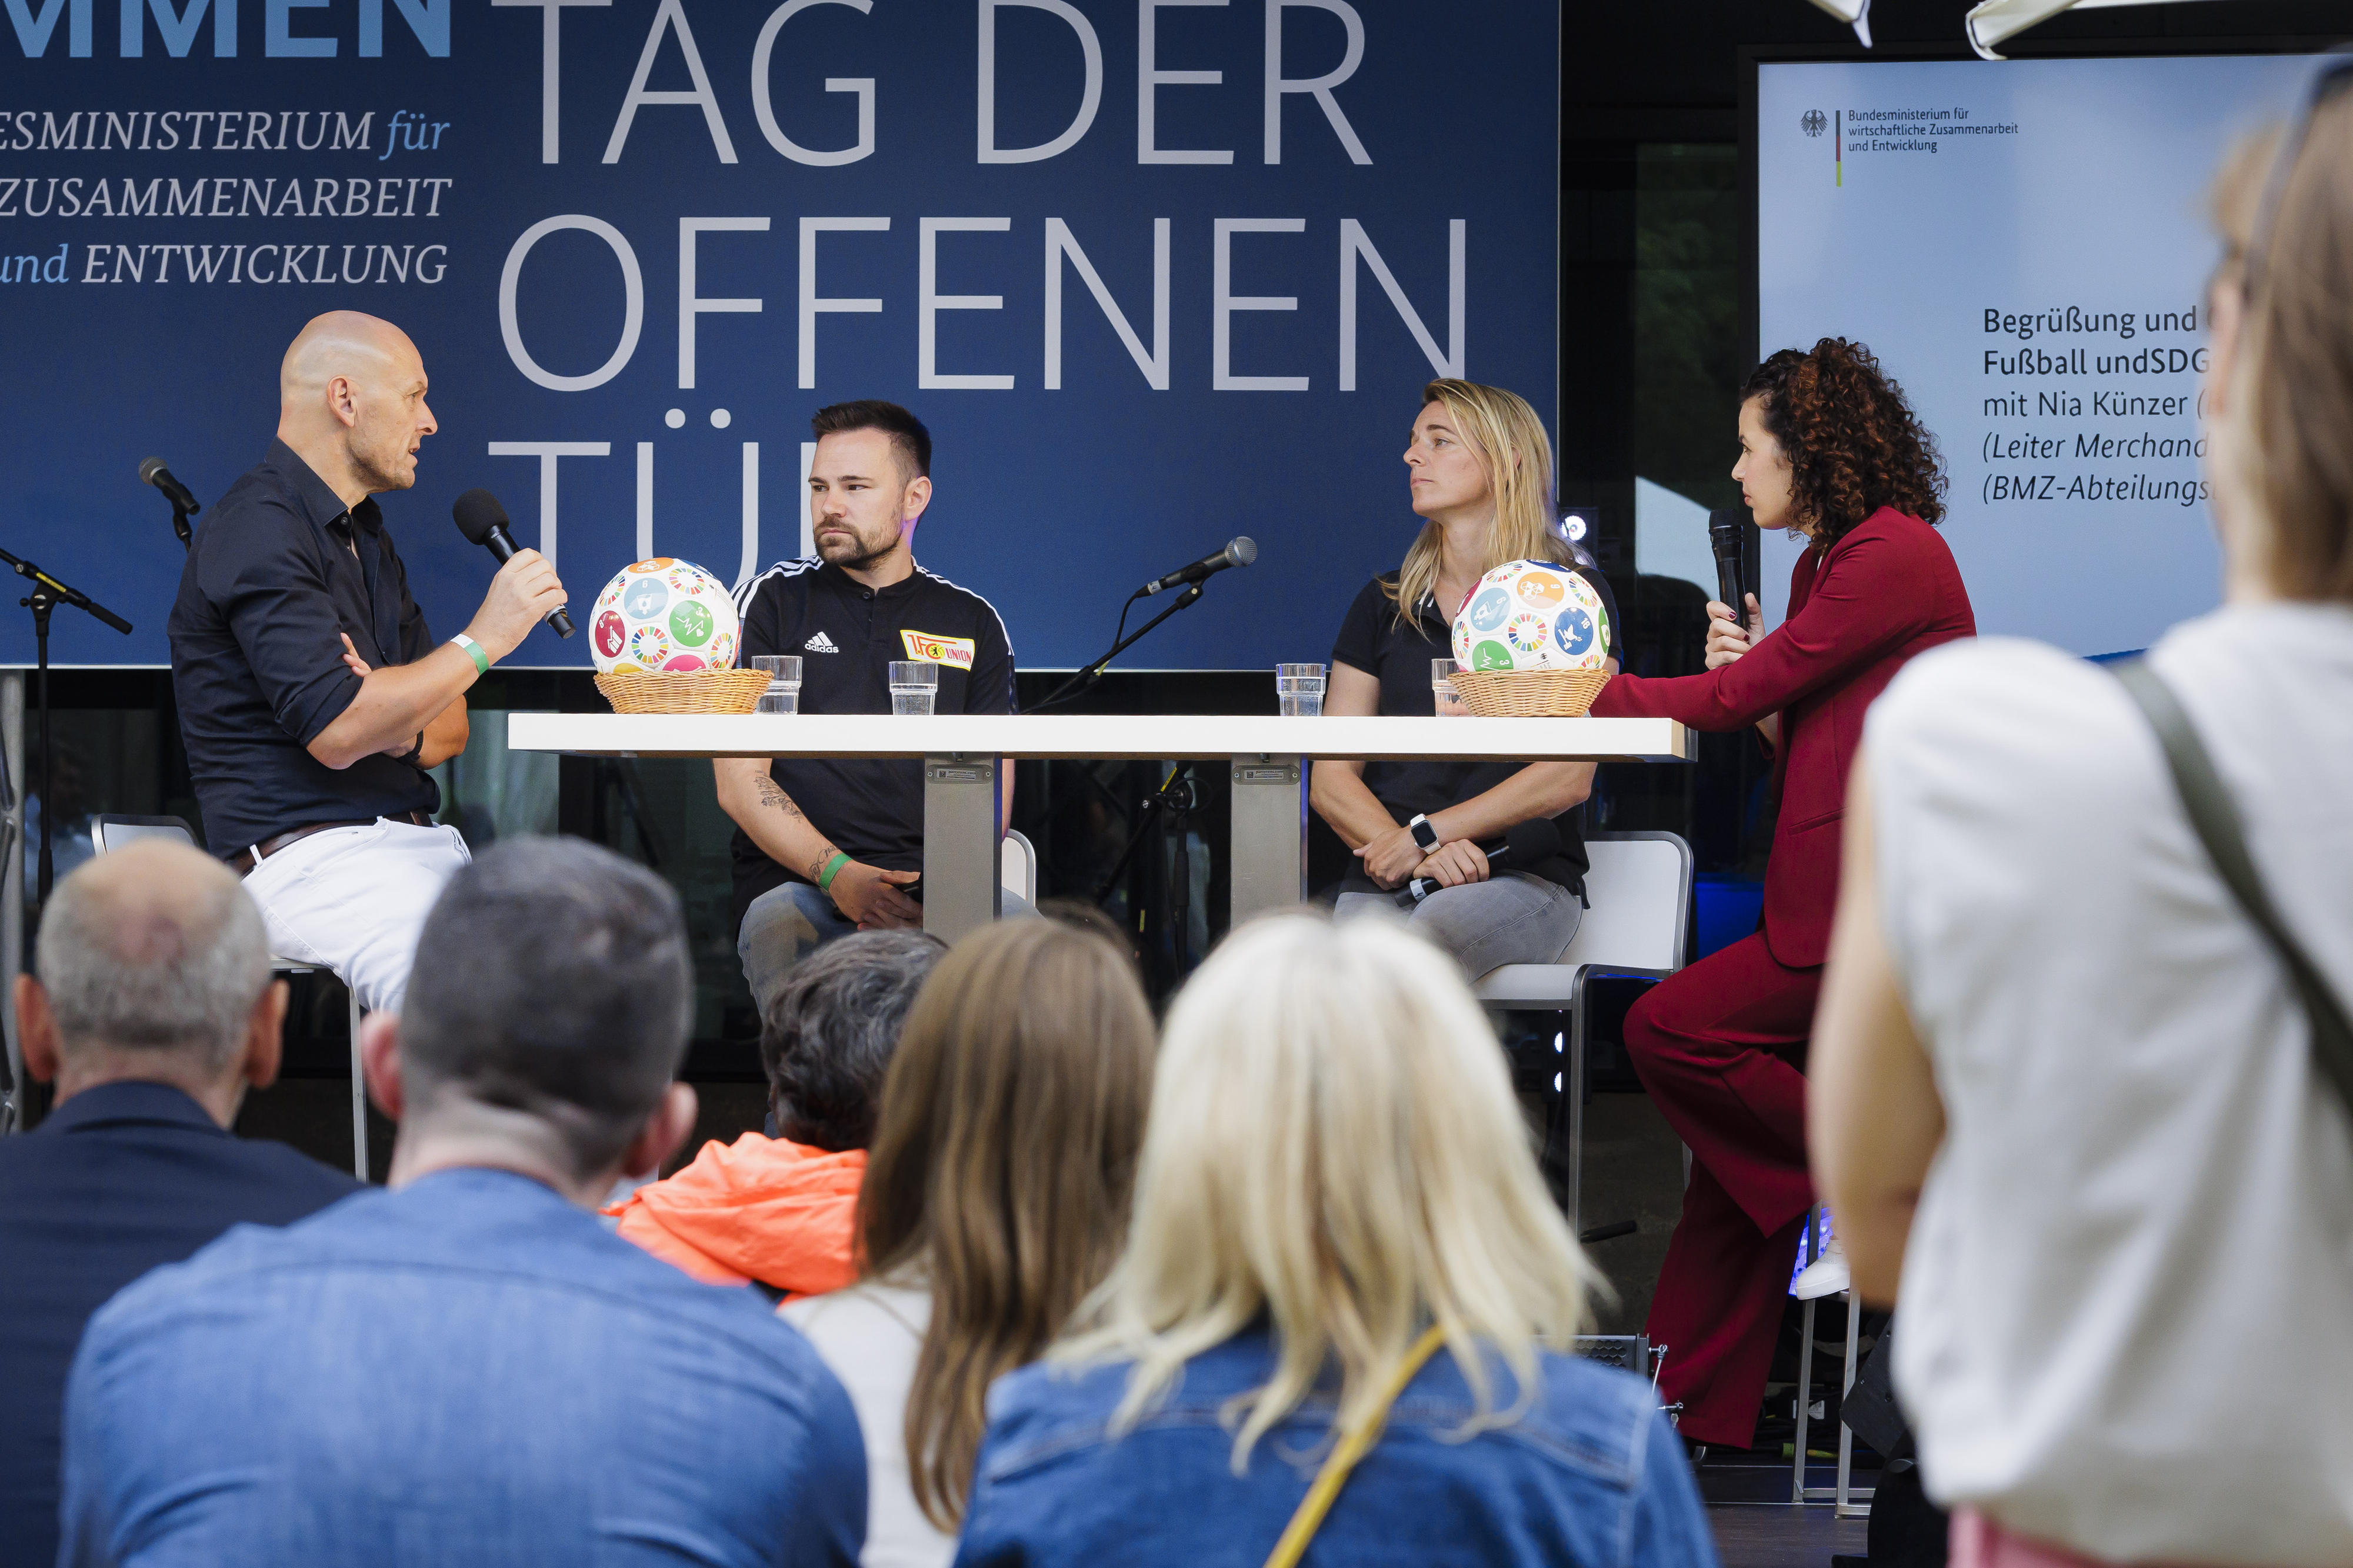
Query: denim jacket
(1590, 1474)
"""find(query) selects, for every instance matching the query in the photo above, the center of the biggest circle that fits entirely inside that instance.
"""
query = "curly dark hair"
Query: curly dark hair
(1852, 441)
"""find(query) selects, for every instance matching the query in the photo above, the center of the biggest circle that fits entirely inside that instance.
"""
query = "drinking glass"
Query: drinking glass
(784, 693)
(914, 685)
(1299, 687)
(1442, 690)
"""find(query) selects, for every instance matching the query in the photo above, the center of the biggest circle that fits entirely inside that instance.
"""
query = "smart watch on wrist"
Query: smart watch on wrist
(1423, 832)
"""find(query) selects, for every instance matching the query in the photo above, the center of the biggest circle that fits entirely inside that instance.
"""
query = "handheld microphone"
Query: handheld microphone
(483, 522)
(1240, 551)
(1526, 844)
(1726, 537)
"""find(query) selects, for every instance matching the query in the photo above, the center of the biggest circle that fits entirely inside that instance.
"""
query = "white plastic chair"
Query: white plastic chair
(113, 832)
(1638, 888)
(1017, 866)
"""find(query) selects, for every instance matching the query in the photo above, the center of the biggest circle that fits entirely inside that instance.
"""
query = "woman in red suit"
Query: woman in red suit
(1830, 450)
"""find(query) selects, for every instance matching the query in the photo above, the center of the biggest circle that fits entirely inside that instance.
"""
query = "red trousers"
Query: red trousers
(1722, 1048)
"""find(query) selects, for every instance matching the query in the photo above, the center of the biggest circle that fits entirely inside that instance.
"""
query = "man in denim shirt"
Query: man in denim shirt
(466, 1368)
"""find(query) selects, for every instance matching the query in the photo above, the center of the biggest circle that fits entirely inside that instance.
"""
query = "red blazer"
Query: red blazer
(1887, 590)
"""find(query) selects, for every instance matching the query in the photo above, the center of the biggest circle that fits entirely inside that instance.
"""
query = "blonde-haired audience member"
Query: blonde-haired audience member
(995, 1199)
(1335, 1168)
(2048, 1023)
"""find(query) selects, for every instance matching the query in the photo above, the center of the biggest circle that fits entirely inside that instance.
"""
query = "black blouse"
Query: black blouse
(1398, 653)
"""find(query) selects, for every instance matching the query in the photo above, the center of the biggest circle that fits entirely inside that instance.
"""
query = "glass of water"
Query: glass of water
(1299, 687)
(784, 693)
(1449, 701)
(914, 686)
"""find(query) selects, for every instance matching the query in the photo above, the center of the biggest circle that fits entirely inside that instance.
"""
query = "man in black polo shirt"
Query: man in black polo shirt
(311, 696)
(826, 848)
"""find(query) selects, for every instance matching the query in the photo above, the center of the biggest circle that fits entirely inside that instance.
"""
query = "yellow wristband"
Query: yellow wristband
(474, 650)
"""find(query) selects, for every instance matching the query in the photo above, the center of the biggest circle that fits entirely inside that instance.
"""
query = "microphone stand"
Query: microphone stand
(46, 595)
(180, 526)
(1084, 680)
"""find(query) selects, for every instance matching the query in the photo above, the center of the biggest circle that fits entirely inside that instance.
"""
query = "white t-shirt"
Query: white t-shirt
(870, 1334)
(2127, 1301)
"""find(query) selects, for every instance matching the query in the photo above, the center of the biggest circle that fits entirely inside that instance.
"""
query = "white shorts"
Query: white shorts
(352, 899)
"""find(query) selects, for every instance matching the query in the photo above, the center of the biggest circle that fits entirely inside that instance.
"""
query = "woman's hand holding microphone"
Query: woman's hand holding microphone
(1728, 639)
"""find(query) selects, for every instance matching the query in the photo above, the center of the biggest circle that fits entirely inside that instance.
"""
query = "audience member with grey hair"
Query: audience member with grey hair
(781, 1211)
(827, 1038)
(153, 1011)
(467, 1369)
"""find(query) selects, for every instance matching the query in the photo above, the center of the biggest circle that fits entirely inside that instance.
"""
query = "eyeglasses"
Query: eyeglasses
(2327, 81)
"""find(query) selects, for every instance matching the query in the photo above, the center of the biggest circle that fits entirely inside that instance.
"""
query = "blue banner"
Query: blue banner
(1155, 272)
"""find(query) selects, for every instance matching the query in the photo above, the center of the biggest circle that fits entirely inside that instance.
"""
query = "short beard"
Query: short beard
(864, 558)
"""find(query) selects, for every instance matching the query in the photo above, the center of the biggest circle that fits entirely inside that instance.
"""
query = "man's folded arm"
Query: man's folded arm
(278, 607)
(444, 733)
(391, 707)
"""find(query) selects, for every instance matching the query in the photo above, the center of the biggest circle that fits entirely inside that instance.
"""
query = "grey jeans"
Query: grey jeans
(784, 925)
(1510, 917)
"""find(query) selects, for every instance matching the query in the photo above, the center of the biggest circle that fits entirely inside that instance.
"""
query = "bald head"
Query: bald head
(341, 342)
(351, 402)
(153, 948)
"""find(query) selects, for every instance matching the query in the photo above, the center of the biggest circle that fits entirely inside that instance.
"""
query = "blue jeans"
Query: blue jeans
(1508, 919)
(784, 925)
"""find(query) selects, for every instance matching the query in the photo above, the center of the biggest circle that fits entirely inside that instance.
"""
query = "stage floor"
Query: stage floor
(1756, 1526)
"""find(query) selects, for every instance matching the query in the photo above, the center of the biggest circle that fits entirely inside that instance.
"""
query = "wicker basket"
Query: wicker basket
(1529, 693)
(684, 691)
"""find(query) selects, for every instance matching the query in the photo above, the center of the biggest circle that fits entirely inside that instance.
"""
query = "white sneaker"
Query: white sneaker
(1825, 1275)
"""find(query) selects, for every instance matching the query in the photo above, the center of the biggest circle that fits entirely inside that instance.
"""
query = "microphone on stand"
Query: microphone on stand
(1240, 551)
(152, 471)
(1526, 845)
(1727, 538)
(483, 522)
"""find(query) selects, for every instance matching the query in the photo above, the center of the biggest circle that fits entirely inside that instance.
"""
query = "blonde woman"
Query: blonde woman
(995, 1199)
(1479, 473)
(1334, 1167)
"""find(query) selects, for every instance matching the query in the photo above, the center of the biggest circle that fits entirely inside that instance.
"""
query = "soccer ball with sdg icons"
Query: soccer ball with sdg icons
(1532, 615)
(663, 613)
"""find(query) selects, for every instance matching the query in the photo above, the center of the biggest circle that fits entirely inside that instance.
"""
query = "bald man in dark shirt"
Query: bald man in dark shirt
(153, 1011)
(312, 698)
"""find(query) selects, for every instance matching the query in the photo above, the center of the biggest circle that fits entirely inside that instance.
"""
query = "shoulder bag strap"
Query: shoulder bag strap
(2212, 814)
(1352, 1447)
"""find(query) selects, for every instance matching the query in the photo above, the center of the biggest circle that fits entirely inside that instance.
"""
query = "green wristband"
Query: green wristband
(474, 651)
(832, 869)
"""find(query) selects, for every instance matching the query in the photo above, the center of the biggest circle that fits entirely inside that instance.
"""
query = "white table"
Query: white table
(962, 754)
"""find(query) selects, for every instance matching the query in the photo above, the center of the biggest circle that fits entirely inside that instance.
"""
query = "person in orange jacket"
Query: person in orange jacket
(781, 1212)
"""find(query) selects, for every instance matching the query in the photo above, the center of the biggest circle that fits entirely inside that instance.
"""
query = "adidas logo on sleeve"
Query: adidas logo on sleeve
(820, 643)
